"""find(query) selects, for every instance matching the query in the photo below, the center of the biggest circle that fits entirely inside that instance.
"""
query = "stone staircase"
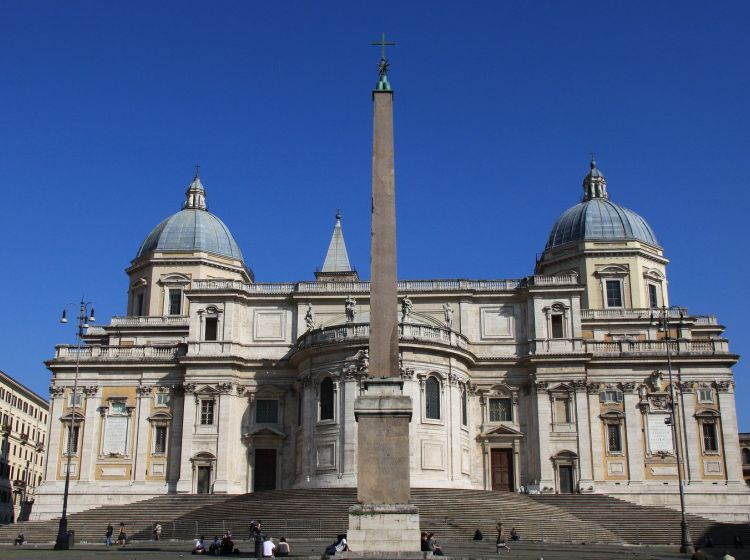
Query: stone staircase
(323, 513)
(635, 524)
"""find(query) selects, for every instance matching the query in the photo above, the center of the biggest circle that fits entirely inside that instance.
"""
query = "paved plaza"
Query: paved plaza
(313, 549)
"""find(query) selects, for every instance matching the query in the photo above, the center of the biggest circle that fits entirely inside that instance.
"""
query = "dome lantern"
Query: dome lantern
(594, 183)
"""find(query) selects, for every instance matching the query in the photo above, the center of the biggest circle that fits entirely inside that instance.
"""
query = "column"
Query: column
(634, 437)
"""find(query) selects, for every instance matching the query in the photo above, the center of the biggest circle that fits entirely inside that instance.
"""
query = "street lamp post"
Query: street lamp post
(662, 319)
(84, 318)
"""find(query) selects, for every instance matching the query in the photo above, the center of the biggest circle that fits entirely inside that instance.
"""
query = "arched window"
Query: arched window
(326, 399)
(746, 456)
(432, 395)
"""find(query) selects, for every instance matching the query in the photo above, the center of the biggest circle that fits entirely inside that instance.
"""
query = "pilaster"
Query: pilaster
(223, 452)
(688, 429)
(90, 443)
(730, 441)
(185, 483)
(142, 434)
(544, 415)
(634, 437)
(584, 436)
(597, 450)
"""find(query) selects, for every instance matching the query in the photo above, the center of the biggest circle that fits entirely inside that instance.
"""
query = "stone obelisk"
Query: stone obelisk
(383, 520)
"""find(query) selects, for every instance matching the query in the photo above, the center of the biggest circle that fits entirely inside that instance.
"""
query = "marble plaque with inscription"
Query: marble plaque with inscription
(115, 435)
(659, 434)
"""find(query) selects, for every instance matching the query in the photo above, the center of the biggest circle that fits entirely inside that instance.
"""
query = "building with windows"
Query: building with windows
(555, 382)
(23, 421)
(745, 450)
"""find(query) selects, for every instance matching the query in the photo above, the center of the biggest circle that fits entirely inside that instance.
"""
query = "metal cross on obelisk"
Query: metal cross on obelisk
(383, 520)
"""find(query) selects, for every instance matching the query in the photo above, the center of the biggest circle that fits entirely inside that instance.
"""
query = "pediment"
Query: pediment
(265, 431)
(501, 431)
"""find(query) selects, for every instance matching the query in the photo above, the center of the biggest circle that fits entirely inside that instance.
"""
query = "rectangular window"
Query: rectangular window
(557, 326)
(653, 296)
(160, 439)
(299, 409)
(614, 293)
(610, 396)
(710, 442)
(162, 399)
(614, 441)
(212, 328)
(175, 302)
(501, 410)
(464, 408)
(705, 396)
(562, 410)
(266, 411)
(118, 407)
(207, 412)
(138, 304)
(73, 439)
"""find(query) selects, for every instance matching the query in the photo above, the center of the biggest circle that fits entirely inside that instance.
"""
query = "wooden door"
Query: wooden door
(204, 480)
(502, 470)
(265, 469)
(566, 479)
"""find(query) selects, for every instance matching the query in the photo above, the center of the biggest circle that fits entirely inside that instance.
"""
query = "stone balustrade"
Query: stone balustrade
(644, 313)
(352, 332)
(676, 347)
(137, 320)
(69, 353)
(411, 286)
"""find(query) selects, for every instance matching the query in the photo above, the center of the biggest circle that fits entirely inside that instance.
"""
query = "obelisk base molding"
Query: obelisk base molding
(384, 528)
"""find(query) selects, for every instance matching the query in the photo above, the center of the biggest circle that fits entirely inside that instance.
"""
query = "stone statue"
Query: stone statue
(642, 392)
(310, 318)
(448, 311)
(657, 381)
(349, 308)
(406, 307)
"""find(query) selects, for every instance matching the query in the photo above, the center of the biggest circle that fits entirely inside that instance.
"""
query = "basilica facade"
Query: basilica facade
(558, 382)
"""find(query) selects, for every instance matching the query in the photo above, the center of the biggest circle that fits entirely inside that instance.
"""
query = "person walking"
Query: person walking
(500, 542)
(109, 533)
(122, 536)
(157, 531)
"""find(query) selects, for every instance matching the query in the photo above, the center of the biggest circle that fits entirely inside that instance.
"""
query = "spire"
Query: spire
(383, 65)
(195, 197)
(594, 184)
(336, 266)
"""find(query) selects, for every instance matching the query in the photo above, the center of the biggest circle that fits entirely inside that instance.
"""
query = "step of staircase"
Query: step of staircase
(323, 513)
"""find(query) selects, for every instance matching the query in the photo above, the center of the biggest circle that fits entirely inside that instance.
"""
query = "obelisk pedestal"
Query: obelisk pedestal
(383, 521)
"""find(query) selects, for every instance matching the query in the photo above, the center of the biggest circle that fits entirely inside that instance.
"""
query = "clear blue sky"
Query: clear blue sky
(107, 106)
